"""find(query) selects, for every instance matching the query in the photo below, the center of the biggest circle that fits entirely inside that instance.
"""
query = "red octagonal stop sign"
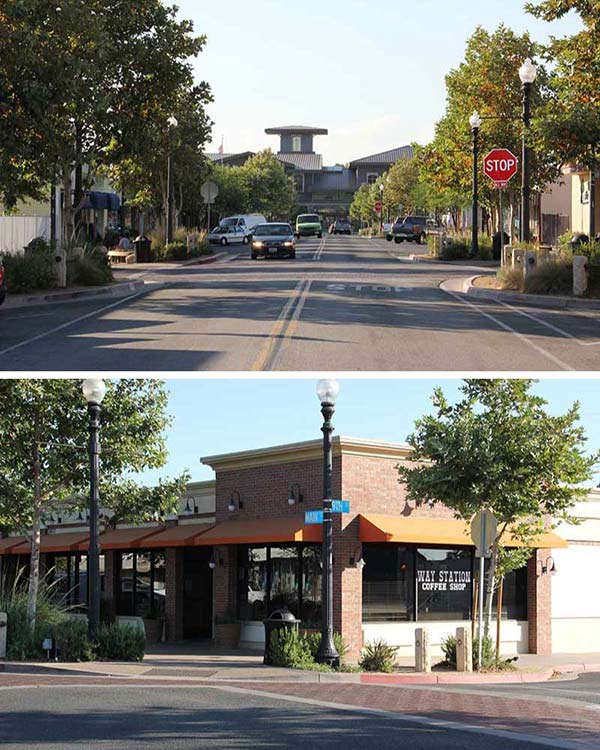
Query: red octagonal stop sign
(500, 165)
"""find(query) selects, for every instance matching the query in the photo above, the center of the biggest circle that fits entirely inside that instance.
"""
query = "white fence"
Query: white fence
(18, 231)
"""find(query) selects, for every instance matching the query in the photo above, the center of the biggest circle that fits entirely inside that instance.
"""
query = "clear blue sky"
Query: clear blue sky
(352, 66)
(218, 416)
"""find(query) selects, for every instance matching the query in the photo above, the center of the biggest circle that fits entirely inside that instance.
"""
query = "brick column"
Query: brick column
(347, 587)
(539, 604)
(174, 593)
(111, 591)
(225, 634)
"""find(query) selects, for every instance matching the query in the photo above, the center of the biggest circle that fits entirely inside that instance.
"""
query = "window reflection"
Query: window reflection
(285, 579)
(444, 590)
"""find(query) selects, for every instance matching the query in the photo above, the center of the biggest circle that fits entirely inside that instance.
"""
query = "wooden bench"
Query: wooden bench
(121, 256)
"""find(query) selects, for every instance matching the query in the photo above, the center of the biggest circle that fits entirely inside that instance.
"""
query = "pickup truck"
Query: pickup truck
(411, 229)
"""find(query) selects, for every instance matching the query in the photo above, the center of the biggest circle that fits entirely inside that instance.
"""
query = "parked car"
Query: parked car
(2, 283)
(342, 226)
(387, 230)
(228, 235)
(309, 225)
(246, 221)
(273, 240)
(411, 229)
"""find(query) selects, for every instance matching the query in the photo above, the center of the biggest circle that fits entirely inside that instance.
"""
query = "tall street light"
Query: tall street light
(327, 391)
(475, 123)
(172, 123)
(93, 392)
(381, 190)
(527, 74)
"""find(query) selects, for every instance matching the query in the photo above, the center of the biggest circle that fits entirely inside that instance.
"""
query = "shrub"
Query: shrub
(551, 277)
(121, 642)
(91, 270)
(488, 653)
(485, 253)
(455, 249)
(37, 246)
(378, 656)
(72, 640)
(26, 273)
(449, 650)
(313, 641)
(111, 238)
(289, 649)
(511, 278)
(176, 251)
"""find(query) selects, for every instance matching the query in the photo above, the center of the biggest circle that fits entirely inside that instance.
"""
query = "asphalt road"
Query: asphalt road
(344, 304)
(185, 718)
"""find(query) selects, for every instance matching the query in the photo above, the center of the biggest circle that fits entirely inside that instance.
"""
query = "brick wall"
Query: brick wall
(111, 563)
(539, 604)
(174, 593)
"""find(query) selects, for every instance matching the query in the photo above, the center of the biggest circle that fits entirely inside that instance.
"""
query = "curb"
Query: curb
(465, 286)
(117, 290)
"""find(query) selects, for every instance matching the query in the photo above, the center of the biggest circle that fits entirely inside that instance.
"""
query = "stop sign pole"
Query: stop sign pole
(500, 165)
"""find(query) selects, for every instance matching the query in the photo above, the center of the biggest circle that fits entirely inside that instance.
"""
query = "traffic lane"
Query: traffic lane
(361, 327)
(187, 326)
(185, 718)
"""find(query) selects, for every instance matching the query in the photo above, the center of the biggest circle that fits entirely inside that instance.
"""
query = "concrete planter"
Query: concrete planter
(154, 630)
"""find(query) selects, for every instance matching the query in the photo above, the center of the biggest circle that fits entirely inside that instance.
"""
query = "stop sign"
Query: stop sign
(500, 165)
(379, 206)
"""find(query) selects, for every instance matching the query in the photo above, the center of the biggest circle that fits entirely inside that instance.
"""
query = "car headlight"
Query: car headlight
(257, 243)
(288, 244)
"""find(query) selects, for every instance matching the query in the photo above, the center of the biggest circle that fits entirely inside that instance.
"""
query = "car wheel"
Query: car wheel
(389, 237)
(397, 240)
(254, 256)
(422, 238)
(223, 241)
(320, 235)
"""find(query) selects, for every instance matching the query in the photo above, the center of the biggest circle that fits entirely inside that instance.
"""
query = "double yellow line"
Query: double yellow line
(284, 328)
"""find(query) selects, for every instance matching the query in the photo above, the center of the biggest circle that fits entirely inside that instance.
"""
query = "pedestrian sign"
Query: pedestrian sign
(313, 516)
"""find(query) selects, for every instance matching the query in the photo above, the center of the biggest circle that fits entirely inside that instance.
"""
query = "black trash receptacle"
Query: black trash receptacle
(280, 618)
(578, 239)
(496, 245)
(143, 249)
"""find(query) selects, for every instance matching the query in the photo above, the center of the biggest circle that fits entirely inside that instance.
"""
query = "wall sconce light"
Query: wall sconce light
(235, 499)
(548, 567)
(294, 495)
(187, 510)
(357, 560)
(212, 564)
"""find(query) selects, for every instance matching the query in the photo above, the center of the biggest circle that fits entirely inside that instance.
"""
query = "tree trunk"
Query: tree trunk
(489, 593)
(68, 223)
(34, 572)
(499, 616)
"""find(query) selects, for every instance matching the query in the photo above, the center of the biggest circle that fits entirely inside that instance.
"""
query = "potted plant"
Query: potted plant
(153, 625)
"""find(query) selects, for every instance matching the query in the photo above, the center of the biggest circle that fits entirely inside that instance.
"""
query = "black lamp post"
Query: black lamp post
(475, 123)
(172, 123)
(527, 74)
(327, 391)
(93, 391)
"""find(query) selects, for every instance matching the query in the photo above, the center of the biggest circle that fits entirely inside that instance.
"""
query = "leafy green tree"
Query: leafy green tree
(44, 461)
(401, 185)
(487, 81)
(233, 195)
(270, 191)
(499, 449)
(362, 207)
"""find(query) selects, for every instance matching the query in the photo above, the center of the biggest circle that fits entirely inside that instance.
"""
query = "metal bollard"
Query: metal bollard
(422, 650)
(464, 650)
(60, 257)
(580, 275)
(3, 620)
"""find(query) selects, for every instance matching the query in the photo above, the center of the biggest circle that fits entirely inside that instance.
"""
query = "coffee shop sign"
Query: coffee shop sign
(443, 580)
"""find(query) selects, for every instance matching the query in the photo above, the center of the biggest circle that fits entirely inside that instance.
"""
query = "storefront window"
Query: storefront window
(253, 594)
(142, 584)
(311, 587)
(443, 584)
(159, 583)
(69, 573)
(514, 596)
(387, 583)
(126, 579)
(285, 589)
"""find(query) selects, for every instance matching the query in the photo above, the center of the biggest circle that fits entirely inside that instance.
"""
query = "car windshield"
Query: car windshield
(342, 222)
(271, 230)
(229, 222)
(309, 219)
(415, 220)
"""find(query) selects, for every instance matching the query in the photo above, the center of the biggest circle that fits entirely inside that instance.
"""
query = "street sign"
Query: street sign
(340, 506)
(209, 191)
(313, 516)
(500, 165)
(484, 528)
(379, 206)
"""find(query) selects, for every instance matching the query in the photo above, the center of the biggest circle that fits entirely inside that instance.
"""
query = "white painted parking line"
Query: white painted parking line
(552, 327)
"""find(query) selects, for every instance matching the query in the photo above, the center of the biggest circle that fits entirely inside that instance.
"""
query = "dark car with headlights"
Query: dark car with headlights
(2, 282)
(273, 240)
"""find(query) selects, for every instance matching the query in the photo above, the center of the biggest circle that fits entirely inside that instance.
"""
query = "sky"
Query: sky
(371, 71)
(231, 414)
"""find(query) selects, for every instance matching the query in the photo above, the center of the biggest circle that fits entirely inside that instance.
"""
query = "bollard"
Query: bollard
(506, 257)
(464, 650)
(580, 275)
(60, 256)
(517, 257)
(530, 262)
(3, 620)
(422, 650)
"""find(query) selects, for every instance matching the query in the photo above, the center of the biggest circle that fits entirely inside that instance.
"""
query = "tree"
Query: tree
(89, 84)
(570, 125)
(362, 207)
(44, 460)
(233, 195)
(499, 449)
(401, 185)
(487, 81)
(270, 191)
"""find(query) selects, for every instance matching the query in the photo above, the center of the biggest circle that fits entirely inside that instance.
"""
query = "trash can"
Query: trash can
(143, 249)
(280, 618)
(496, 244)
(578, 239)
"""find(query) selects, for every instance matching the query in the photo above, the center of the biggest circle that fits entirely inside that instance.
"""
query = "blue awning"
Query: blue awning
(99, 201)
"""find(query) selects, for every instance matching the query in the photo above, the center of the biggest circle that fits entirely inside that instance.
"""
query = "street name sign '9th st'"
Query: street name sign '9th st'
(337, 506)
(500, 165)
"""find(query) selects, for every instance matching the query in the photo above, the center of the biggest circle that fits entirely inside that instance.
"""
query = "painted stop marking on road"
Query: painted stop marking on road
(500, 165)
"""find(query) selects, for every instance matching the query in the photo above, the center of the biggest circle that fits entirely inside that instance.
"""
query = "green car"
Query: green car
(307, 225)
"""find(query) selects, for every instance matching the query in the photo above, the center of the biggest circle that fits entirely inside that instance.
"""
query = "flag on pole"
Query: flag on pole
(221, 147)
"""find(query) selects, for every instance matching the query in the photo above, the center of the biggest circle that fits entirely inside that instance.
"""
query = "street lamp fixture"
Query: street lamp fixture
(527, 74)
(93, 392)
(475, 123)
(295, 496)
(172, 124)
(327, 391)
(235, 501)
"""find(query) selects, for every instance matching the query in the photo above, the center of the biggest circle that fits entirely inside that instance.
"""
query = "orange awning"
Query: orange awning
(128, 538)
(7, 544)
(380, 528)
(70, 541)
(183, 535)
(262, 531)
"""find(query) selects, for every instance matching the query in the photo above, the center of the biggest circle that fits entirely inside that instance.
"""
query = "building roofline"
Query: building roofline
(296, 129)
(304, 451)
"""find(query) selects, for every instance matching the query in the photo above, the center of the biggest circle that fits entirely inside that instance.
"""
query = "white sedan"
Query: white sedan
(228, 236)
